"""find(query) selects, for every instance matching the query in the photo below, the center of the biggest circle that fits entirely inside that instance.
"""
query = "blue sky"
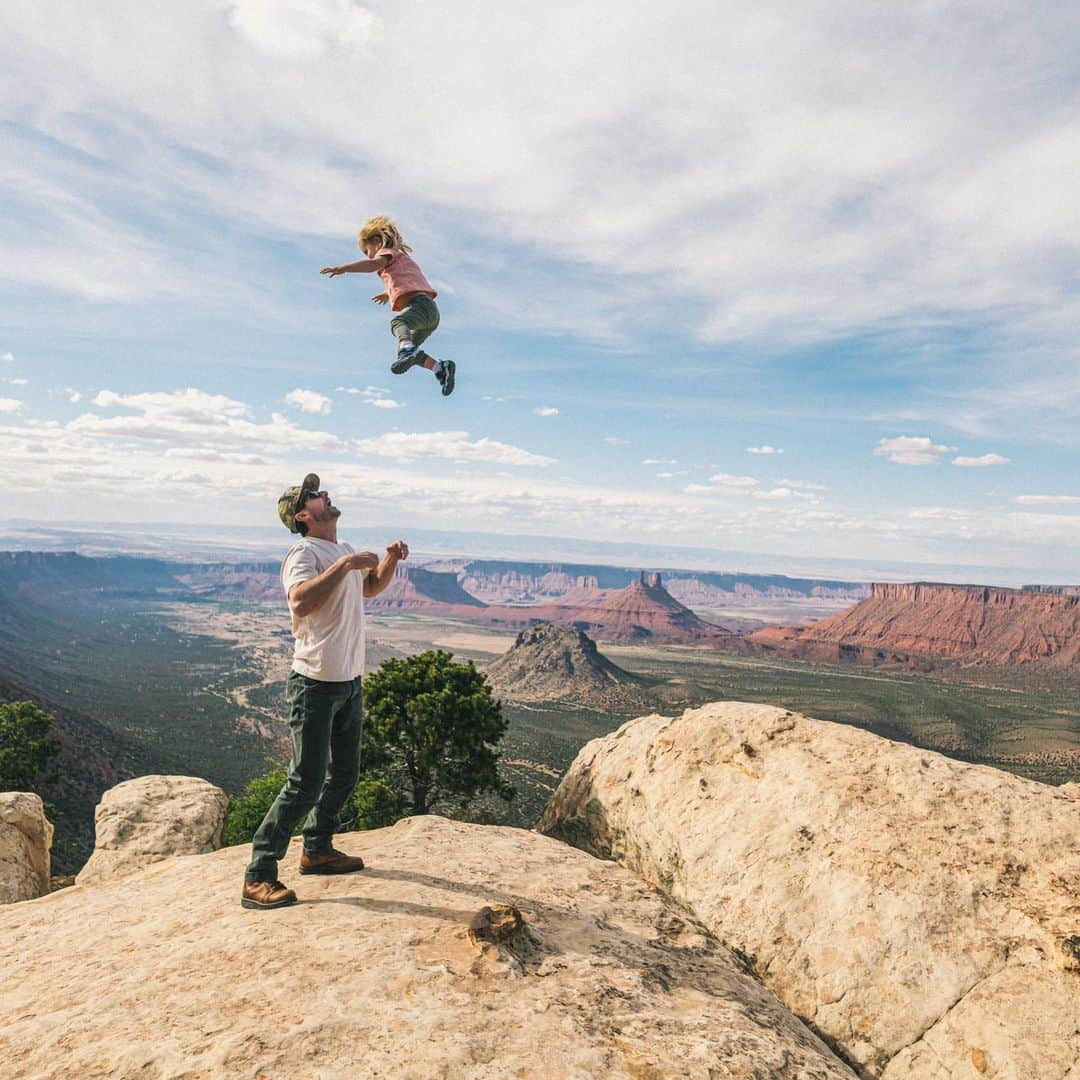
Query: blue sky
(792, 281)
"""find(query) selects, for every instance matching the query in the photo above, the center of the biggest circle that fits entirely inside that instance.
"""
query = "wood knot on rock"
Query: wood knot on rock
(504, 942)
(497, 925)
(1070, 946)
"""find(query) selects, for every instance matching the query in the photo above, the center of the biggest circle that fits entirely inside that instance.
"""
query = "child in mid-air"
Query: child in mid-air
(408, 293)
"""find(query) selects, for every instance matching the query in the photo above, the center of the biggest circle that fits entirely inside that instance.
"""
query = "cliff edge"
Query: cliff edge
(921, 913)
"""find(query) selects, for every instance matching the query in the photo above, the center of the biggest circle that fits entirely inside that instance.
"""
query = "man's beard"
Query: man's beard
(331, 513)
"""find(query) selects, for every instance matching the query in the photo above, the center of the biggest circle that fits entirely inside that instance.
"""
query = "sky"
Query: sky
(793, 279)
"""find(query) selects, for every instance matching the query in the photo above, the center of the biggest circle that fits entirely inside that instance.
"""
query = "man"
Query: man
(325, 583)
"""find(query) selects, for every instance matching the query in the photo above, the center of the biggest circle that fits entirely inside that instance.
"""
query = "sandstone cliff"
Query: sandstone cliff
(394, 972)
(549, 664)
(422, 591)
(964, 623)
(922, 913)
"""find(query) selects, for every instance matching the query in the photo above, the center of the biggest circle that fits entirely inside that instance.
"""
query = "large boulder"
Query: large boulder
(462, 951)
(25, 838)
(150, 818)
(922, 913)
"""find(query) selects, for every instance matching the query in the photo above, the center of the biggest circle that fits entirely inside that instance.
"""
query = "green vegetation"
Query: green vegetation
(430, 729)
(26, 749)
(248, 810)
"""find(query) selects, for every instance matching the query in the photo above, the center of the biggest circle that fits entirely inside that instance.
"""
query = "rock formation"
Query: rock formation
(425, 592)
(549, 664)
(25, 838)
(642, 612)
(151, 818)
(462, 951)
(965, 623)
(923, 914)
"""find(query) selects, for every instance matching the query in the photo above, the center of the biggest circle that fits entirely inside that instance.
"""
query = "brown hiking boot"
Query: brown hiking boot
(331, 862)
(266, 894)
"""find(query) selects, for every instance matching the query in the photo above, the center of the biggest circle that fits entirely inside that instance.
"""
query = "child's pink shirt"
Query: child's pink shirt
(402, 277)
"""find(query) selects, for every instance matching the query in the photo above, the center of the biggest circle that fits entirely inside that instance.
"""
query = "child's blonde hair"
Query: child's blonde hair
(387, 232)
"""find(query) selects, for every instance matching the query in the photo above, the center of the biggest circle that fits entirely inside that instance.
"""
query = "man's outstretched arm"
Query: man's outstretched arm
(375, 582)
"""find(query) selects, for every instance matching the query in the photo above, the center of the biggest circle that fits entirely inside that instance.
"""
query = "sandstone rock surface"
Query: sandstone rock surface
(462, 951)
(913, 908)
(25, 838)
(150, 818)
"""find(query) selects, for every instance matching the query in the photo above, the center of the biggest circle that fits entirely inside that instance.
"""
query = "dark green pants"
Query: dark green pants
(326, 724)
(416, 321)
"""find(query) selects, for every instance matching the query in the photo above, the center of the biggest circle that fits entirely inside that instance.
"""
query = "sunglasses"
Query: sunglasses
(303, 497)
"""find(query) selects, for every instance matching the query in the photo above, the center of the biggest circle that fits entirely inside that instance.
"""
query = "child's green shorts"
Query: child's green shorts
(416, 321)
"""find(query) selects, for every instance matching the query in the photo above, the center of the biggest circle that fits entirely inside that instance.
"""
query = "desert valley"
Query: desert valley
(152, 665)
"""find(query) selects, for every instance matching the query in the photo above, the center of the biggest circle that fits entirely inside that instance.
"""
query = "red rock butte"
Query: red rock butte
(643, 611)
(972, 623)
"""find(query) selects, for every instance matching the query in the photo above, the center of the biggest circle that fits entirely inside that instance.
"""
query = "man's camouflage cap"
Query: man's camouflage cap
(286, 505)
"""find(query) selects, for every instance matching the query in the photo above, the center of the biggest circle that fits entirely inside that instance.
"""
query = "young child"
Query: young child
(408, 293)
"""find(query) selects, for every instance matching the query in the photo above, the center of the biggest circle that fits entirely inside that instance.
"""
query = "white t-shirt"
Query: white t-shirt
(330, 641)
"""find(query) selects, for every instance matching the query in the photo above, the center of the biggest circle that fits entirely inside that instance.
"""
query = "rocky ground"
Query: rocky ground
(418, 967)
(923, 913)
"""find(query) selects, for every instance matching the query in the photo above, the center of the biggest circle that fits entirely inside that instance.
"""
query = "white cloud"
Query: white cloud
(17, 382)
(194, 417)
(7, 358)
(765, 448)
(664, 475)
(614, 440)
(912, 450)
(981, 462)
(785, 493)
(302, 29)
(74, 396)
(806, 485)
(190, 405)
(546, 410)
(1047, 500)
(309, 401)
(448, 445)
(10, 405)
(659, 461)
(373, 395)
(192, 453)
(722, 484)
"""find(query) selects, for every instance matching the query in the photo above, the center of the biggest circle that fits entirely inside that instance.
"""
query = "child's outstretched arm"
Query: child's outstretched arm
(364, 266)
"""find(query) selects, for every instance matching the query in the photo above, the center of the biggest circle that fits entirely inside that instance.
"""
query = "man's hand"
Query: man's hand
(398, 550)
(333, 271)
(380, 298)
(362, 560)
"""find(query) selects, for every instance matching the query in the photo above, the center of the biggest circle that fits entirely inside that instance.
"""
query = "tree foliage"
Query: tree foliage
(248, 810)
(26, 747)
(431, 729)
